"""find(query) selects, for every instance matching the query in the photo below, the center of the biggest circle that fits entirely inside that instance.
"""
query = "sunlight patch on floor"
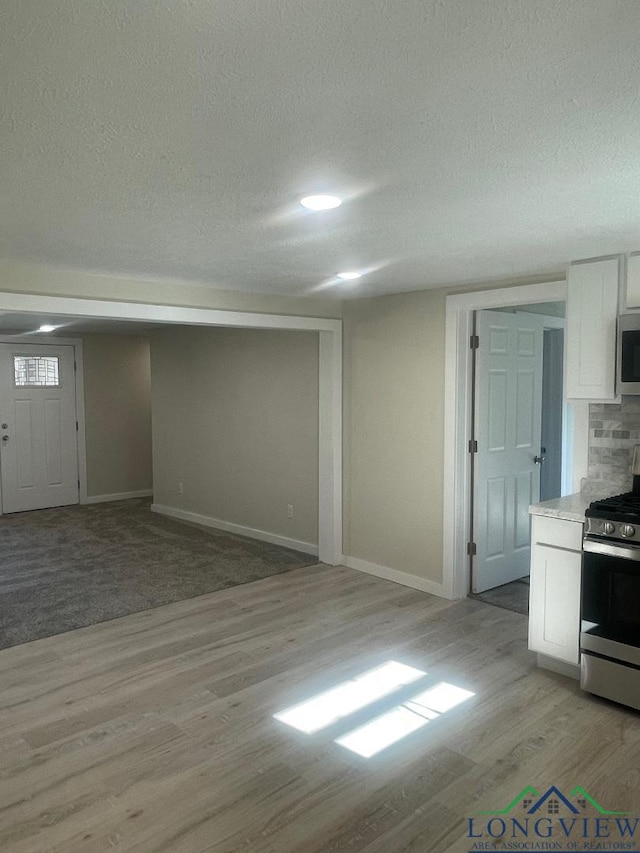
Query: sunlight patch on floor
(381, 732)
(327, 708)
(347, 698)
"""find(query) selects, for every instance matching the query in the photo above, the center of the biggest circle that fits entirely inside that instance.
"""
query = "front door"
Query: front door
(508, 400)
(38, 438)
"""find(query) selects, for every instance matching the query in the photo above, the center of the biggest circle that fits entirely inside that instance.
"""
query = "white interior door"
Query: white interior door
(508, 400)
(38, 438)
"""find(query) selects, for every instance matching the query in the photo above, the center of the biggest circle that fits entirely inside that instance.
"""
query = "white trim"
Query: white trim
(457, 418)
(81, 418)
(239, 529)
(78, 357)
(330, 376)
(330, 444)
(119, 496)
(395, 575)
(170, 314)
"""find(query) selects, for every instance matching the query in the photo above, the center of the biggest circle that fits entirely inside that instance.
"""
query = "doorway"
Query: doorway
(39, 464)
(329, 380)
(519, 441)
(457, 421)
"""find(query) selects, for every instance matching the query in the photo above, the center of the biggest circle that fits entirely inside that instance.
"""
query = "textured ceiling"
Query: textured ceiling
(474, 139)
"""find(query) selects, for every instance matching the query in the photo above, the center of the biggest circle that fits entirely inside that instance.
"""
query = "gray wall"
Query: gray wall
(235, 419)
(117, 388)
(394, 431)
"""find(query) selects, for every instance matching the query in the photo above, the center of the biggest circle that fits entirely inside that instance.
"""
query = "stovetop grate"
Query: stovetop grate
(624, 508)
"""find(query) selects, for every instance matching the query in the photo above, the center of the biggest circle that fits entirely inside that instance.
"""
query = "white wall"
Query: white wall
(235, 419)
(117, 387)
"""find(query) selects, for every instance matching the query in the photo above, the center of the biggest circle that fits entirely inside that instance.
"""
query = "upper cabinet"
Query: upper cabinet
(592, 309)
(633, 281)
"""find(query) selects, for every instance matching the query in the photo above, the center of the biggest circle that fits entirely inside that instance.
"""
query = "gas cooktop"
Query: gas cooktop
(616, 517)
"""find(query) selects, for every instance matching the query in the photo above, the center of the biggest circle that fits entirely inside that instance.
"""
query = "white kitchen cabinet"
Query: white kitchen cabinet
(592, 310)
(554, 601)
(633, 281)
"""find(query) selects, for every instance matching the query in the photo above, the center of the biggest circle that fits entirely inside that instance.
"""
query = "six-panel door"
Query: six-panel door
(38, 439)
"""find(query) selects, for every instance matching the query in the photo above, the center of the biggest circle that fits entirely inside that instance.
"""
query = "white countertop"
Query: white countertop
(570, 507)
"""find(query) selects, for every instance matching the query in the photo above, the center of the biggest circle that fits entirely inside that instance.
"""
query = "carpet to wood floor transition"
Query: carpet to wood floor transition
(69, 567)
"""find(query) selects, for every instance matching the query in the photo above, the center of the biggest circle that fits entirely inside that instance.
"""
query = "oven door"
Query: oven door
(610, 606)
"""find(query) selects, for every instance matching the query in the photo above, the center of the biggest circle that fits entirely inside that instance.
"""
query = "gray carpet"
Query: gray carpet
(74, 566)
(511, 596)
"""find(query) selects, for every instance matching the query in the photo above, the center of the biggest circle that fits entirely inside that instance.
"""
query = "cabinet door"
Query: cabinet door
(592, 309)
(633, 282)
(554, 605)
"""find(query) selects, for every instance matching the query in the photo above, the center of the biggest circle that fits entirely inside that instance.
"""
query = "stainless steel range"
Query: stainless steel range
(610, 607)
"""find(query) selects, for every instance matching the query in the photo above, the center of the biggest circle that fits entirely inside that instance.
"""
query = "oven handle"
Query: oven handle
(608, 550)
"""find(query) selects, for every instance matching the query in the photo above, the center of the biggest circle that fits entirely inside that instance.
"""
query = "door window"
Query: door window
(36, 370)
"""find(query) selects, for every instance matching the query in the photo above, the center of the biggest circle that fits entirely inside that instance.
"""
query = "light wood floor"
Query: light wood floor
(154, 732)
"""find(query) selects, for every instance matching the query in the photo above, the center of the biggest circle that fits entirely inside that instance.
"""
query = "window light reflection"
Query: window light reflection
(381, 732)
(327, 708)
(441, 698)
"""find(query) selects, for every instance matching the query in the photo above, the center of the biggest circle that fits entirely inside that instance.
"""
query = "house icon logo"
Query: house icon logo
(554, 819)
(552, 801)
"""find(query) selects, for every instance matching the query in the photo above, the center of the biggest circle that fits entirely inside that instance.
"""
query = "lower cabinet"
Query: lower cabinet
(554, 603)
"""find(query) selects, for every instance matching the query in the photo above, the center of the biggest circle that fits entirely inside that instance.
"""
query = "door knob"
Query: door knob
(539, 459)
(5, 438)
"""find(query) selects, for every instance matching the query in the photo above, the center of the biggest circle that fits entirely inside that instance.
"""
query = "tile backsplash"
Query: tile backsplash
(614, 430)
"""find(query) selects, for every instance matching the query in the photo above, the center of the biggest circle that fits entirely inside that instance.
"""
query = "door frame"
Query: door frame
(81, 441)
(457, 419)
(329, 375)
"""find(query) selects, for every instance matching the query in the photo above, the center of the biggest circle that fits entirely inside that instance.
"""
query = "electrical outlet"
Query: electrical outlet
(180, 488)
(289, 510)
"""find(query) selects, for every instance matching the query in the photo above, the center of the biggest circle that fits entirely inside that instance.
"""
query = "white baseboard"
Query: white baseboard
(119, 496)
(229, 527)
(395, 575)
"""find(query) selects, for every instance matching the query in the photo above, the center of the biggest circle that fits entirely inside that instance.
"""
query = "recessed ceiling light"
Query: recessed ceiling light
(46, 328)
(320, 202)
(349, 276)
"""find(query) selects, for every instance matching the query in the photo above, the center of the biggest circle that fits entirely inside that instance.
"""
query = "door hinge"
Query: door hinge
(473, 445)
(77, 426)
(75, 367)
(471, 549)
(474, 342)
(78, 485)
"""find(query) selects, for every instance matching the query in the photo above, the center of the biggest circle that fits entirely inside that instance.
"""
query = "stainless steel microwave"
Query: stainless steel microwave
(628, 370)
